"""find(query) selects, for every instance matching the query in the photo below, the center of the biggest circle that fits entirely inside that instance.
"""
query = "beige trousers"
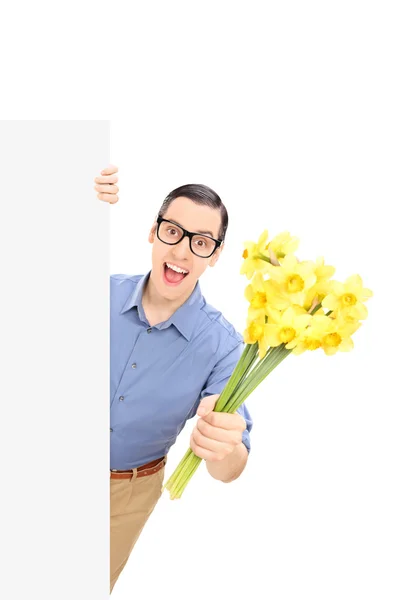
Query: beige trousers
(131, 503)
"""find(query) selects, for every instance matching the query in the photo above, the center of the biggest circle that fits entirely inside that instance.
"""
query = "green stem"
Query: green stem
(178, 471)
(263, 257)
(317, 307)
(181, 475)
(266, 369)
(242, 367)
(252, 368)
(192, 468)
(251, 377)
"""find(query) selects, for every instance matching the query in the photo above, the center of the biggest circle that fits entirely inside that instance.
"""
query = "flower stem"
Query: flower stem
(192, 468)
(243, 365)
(263, 369)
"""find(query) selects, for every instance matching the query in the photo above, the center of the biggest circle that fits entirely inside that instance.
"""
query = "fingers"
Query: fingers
(106, 179)
(224, 436)
(207, 404)
(107, 189)
(212, 443)
(110, 195)
(226, 420)
(110, 170)
(208, 449)
(105, 185)
(112, 199)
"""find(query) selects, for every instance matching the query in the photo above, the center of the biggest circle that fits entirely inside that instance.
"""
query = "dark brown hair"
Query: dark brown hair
(200, 194)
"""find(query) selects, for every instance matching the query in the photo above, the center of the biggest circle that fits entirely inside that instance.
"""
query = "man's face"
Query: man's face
(195, 218)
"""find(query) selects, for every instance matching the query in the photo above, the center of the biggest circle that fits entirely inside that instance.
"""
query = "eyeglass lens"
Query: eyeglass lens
(170, 234)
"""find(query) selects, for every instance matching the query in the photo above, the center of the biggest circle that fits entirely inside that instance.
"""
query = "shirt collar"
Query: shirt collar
(182, 318)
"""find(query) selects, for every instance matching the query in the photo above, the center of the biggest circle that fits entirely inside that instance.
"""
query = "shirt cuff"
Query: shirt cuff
(246, 440)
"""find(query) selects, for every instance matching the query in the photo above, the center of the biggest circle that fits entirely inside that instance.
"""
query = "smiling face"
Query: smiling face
(194, 218)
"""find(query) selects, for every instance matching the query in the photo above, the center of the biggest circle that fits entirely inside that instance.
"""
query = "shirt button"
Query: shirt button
(134, 366)
(149, 330)
(111, 430)
(121, 398)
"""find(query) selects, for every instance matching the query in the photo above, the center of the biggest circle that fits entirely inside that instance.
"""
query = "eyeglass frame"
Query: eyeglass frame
(189, 234)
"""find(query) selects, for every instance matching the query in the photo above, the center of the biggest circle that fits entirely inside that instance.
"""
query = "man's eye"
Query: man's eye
(171, 229)
(203, 243)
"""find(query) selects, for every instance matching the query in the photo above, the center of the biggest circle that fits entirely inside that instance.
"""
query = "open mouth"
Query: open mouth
(173, 277)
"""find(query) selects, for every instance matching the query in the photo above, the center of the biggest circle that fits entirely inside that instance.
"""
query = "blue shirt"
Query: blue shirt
(159, 374)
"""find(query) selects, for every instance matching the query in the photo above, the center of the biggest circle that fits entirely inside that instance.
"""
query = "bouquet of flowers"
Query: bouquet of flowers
(294, 306)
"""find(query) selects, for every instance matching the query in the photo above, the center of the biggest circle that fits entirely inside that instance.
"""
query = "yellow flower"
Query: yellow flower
(337, 340)
(261, 293)
(322, 271)
(328, 333)
(255, 333)
(294, 278)
(286, 327)
(336, 336)
(283, 244)
(322, 286)
(300, 310)
(352, 314)
(251, 254)
(311, 338)
(348, 295)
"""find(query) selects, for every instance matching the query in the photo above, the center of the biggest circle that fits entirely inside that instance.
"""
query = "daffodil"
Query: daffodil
(262, 293)
(255, 333)
(295, 278)
(322, 286)
(311, 337)
(255, 257)
(350, 294)
(283, 244)
(352, 314)
(337, 336)
(285, 327)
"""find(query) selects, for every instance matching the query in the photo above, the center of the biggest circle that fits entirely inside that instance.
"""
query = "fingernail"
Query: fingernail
(201, 411)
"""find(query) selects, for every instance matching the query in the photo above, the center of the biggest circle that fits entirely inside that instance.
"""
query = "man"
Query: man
(171, 356)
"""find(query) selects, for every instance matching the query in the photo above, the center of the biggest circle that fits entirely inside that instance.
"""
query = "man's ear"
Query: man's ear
(216, 255)
(152, 233)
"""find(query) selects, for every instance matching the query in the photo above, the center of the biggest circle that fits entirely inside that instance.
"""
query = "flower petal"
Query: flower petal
(271, 335)
(346, 345)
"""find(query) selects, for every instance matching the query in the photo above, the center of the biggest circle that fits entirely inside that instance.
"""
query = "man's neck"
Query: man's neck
(157, 309)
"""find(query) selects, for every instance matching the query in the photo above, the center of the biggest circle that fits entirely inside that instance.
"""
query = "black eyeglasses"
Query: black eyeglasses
(170, 233)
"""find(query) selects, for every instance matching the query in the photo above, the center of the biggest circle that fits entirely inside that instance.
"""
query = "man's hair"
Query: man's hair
(200, 194)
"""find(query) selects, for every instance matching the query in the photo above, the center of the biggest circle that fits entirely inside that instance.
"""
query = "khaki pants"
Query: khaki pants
(131, 503)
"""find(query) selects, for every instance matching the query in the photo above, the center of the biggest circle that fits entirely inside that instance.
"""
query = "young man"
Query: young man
(171, 356)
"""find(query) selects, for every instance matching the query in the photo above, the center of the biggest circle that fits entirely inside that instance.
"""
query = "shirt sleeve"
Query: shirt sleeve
(218, 379)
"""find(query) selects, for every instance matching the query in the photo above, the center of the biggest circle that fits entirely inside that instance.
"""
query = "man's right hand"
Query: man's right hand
(105, 185)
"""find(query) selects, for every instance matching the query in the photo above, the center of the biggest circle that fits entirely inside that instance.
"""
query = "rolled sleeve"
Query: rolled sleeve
(218, 379)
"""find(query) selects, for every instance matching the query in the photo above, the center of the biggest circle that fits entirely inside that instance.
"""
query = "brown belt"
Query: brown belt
(147, 469)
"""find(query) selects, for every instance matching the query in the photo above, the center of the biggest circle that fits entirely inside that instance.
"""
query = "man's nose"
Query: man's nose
(182, 250)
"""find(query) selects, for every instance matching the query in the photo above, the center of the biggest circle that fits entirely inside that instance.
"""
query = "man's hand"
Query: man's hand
(216, 435)
(105, 185)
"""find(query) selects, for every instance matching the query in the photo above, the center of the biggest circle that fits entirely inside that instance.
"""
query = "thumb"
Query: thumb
(207, 405)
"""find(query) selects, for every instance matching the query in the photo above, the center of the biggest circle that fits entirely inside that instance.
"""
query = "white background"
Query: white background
(290, 112)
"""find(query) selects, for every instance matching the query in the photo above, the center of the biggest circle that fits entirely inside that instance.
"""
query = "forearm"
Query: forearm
(229, 468)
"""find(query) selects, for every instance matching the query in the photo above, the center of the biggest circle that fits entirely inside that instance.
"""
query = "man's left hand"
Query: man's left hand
(216, 434)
